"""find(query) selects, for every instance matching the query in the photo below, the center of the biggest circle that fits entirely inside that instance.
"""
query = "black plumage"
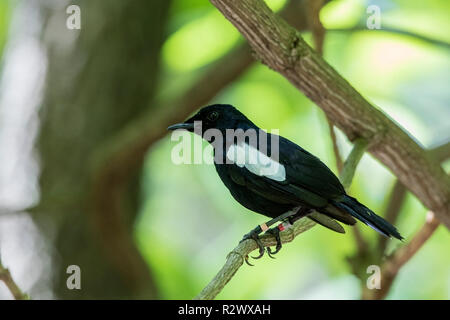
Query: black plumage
(304, 182)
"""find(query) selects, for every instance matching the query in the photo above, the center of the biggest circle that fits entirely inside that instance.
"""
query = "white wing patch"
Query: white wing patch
(244, 155)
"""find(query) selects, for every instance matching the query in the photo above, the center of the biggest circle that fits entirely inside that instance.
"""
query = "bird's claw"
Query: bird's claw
(254, 236)
(276, 233)
(247, 262)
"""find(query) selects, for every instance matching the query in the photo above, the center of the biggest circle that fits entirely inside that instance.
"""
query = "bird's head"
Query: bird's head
(216, 116)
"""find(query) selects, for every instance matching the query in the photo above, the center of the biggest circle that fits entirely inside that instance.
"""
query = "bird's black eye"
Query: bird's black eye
(213, 116)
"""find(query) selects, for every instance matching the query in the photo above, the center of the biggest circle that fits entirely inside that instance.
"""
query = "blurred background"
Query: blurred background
(86, 176)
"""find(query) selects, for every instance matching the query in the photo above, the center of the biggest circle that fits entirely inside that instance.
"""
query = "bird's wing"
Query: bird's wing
(274, 190)
(307, 171)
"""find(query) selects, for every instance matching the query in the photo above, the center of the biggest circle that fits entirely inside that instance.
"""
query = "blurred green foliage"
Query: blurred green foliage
(189, 221)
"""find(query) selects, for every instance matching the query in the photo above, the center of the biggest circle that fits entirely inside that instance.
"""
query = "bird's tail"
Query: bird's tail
(367, 216)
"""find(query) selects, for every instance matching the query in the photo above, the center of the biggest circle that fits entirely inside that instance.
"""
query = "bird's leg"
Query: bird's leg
(254, 234)
(303, 211)
(275, 231)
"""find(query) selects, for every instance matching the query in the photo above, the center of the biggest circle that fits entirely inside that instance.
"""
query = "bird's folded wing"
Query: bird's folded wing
(274, 190)
(307, 171)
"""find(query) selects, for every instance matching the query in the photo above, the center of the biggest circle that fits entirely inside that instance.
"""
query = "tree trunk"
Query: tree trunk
(99, 79)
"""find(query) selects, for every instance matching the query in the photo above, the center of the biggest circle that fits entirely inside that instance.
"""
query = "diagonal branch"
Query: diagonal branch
(282, 48)
(235, 258)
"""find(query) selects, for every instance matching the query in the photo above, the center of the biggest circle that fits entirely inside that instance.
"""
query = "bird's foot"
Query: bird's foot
(275, 231)
(254, 235)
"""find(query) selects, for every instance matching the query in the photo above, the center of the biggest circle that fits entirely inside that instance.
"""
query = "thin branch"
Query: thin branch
(235, 258)
(283, 49)
(396, 200)
(337, 153)
(359, 147)
(6, 277)
(361, 243)
(348, 172)
(318, 33)
(393, 30)
(392, 266)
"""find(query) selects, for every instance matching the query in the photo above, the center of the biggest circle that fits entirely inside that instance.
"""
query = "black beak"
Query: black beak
(185, 126)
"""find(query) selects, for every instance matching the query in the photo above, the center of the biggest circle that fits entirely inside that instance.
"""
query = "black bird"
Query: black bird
(295, 185)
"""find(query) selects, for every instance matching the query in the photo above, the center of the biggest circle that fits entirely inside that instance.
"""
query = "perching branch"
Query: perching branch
(282, 48)
(6, 277)
(235, 258)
